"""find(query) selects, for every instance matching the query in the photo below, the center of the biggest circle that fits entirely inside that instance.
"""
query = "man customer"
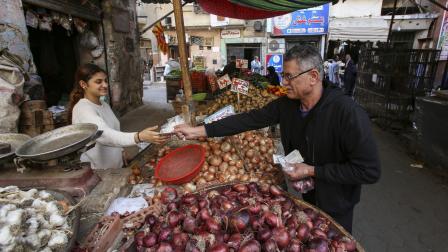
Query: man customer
(349, 75)
(330, 130)
(255, 65)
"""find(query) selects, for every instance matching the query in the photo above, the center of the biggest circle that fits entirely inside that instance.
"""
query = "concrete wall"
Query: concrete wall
(13, 32)
(356, 8)
(123, 57)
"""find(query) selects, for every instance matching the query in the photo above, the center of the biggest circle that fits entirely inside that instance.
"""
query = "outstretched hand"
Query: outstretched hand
(188, 132)
(152, 136)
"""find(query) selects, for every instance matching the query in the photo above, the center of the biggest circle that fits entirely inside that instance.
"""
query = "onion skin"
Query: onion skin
(180, 240)
(318, 245)
(166, 234)
(303, 232)
(168, 195)
(270, 246)
(274, 190)
(264, 234)
(149, 240)
(294, 246)
(271, 219)
(213, 226)
(138, 238)
(174, 218)
(165, 247)
(240, 221)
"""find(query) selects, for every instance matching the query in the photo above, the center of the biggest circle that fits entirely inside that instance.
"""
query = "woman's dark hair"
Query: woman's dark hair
(271, 70)
(84, 73)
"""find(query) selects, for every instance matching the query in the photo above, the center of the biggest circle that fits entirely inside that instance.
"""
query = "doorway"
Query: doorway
(244, 51)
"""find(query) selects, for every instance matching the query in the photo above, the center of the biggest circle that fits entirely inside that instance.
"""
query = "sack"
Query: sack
(11, 94)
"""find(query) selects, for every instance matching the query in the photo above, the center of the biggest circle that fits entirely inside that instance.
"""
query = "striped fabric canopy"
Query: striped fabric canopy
(257, 9)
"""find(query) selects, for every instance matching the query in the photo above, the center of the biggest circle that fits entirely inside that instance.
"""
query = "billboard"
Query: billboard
(275, 60)
(312, 21)
(443, 37)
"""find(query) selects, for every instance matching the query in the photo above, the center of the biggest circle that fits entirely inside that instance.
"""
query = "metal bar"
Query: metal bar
(180, 30)
(438, 4)
(391, 23)
(158, 20)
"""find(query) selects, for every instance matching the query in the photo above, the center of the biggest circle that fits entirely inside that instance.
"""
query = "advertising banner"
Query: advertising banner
(312, 21)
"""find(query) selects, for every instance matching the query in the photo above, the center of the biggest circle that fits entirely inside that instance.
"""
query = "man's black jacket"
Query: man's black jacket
(335, 137)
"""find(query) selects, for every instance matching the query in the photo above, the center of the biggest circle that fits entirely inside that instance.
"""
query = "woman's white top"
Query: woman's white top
(107, 152)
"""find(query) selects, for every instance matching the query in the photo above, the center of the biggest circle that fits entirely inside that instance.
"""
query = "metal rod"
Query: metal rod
(158, 20)
(438, 4)
(391, 23)
(180, 30)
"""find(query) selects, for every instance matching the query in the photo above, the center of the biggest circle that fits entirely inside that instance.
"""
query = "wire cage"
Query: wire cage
(389, 80)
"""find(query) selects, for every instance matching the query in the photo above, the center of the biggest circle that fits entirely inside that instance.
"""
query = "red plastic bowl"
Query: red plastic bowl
(181, 165)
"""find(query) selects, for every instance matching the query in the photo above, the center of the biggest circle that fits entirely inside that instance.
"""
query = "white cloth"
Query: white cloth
(107, 152)
(256, 66)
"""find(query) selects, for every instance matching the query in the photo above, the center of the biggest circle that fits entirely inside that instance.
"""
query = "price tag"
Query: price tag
(240, 86)
(224, 81)
(220, 114)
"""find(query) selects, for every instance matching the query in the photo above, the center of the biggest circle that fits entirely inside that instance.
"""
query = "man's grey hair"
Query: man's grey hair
(307, 57)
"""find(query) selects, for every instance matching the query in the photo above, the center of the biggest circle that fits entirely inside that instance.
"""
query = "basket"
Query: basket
(190, 158)
(298, 202)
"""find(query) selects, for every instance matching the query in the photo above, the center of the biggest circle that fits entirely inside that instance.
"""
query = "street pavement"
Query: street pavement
(407, 210)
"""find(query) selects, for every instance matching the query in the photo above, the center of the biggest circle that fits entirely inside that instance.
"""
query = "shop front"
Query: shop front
(303, 27)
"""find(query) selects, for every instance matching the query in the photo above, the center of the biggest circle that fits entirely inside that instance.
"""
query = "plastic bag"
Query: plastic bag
(303, 185)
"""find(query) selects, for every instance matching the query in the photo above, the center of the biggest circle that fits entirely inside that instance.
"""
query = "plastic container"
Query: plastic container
(181, 165)
(199, 96)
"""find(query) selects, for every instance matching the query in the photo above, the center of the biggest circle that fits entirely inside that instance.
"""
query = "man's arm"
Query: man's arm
(363, 164)
(254, 119)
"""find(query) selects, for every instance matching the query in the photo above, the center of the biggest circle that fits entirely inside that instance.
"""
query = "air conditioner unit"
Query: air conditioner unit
(168, 21)
(258, 26)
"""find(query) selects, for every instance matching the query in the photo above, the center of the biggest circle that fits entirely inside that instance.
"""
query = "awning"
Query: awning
(358, 29)
(256, 9)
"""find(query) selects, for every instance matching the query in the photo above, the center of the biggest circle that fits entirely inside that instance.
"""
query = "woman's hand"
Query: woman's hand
(151, 136)
(188, 132)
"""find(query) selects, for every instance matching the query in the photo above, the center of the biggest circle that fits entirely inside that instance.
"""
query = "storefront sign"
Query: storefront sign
(232, 33)
(443, 37)
(217, 21)
(224, 81)
(312, 21)
(242, 63)
(275, 60)
(240, 86)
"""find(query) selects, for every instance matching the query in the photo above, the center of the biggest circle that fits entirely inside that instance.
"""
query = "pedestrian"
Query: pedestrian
(255, 65)
(349, 75)
(330, 130)
(272, 76)
(86, 106)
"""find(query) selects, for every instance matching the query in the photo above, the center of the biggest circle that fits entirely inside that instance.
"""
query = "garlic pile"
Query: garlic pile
(31, 221)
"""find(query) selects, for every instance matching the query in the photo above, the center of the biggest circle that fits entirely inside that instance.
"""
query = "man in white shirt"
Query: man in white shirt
(255, 65)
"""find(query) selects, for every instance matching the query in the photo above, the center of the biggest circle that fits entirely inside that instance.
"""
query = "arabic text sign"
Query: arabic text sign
(312, 21)
(240, 86)
(224, 81)
(275, 60)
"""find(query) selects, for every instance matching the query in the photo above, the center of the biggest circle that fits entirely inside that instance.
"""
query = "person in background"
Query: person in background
(349, 75)
(331, 131)
(272, 76)
(86, 106)
(170, 66)
(255, 65)
(335, 73)
(330, 72)
(230, 68)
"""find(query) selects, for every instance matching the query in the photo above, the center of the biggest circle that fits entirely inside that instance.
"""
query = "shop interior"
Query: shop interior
(244, 51)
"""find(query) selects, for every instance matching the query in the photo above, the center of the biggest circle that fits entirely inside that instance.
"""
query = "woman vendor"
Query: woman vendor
(86, 106)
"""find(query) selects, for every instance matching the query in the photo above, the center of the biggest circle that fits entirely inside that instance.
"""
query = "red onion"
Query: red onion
(213, 226)
(350, 245)
(172, 206)
(241, 188)
(203, 203)
(255, 208)
(294, 246)
(271, 219)
(257, 223)
(250, 246)
(274, 190)
(281, 237)
(164, 247)
(234, 241)
(303, 232)
(150, 220)
(240, 220)
(174, 218)
(264, 188)
(253, 188)
(189, 199)
(332, 234)
(218, 247)
(264, 234)
(270, 246)
(204, 214)
(318, 245)
(226, 205)
(315, 232)
(138, 238)
(149, 240)
(168, 195)
(292, 232)
(166, 234)
(287, 205)
(180, 240)
(189, 224)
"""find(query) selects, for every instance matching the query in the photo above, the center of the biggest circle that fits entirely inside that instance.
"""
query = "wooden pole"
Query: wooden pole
(389, 35)
(180, 30)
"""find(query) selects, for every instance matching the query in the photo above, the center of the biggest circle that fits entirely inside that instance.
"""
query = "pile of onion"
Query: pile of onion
(243, 218)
